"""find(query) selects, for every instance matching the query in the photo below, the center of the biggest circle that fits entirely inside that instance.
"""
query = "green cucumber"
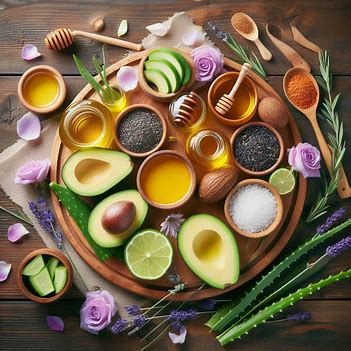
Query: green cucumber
(80, 212)
(34, 266)
(42, 282)
(52, 264)
(60, 278)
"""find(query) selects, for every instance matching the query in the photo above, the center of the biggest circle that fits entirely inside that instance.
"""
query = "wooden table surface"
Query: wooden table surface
(327, 23)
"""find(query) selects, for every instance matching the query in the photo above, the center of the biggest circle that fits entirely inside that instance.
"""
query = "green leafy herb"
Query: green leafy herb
(336, 138)
(241, 53)
(17, 214)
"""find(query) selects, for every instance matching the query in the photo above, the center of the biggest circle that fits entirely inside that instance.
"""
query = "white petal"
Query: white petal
(194, 37)
(16, 231)
(127, 77)
(158, 29)
(178, 339)
(30, 52)
(4, 270)
(29, 127)
(123, 28)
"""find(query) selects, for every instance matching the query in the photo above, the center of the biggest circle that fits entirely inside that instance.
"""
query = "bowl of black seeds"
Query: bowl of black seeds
(140, 130)
(257, 148)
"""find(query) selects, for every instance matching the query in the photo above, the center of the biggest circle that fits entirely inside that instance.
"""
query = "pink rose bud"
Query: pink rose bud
(34, 171)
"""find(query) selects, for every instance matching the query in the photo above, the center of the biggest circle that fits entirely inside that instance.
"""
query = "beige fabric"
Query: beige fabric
(20, 152)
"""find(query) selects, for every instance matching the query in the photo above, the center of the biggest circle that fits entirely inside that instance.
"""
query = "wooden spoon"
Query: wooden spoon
(226, 101)
(252, 36)
(311, 114)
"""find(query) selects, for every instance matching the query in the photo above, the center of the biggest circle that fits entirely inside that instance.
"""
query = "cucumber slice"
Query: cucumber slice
(168, 69)
(42, 282)
(34, 266)
(60, 278)
(158, 78)
(52, 264)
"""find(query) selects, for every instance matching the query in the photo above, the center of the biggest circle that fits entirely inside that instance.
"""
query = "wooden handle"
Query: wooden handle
(343, 187)
(243, 72)
(292, 56)
(265, 53)
(302, 40)
(109, 40)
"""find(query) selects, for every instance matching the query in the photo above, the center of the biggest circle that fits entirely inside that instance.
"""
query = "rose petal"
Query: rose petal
(55, 323)
(127, 77)
(16, 231)
(178, 339)
(158, 29)
(30, 52)
(28, 127)
(4, 270)
(195, 37)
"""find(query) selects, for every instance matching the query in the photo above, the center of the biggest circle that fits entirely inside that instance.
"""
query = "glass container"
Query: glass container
(115, 100)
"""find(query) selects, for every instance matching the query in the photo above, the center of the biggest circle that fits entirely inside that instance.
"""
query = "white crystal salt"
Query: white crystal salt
(253, 208)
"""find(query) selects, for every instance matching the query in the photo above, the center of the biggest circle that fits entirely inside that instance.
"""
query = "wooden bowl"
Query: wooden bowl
(125, 113)
(46, 252)
(275, 222)
(153, 94)
(183, 200)
(222, 85)
(280, 141)
(47, 70)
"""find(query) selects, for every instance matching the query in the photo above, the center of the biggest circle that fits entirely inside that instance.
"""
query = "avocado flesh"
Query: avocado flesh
(106, 239)
(158, 78)
(209, 249)
(92, 171)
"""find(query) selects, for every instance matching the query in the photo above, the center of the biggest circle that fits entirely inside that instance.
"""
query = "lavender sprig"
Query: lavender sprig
(331, 220)
(119, 326)
(336, 249)
(299, 316)
(132, 310)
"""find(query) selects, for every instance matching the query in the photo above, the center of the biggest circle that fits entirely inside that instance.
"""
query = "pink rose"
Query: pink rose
(305, 158)
(97, 311)
(33, 172)
(208, 62)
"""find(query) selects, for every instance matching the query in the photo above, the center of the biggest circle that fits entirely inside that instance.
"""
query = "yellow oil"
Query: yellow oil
(41, 90)
(166, 180)
(117, 103)
(87, 128)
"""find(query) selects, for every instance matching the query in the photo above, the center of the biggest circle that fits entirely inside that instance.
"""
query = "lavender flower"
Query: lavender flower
(339, 247)
(119, 326)
(219, 33)
(170, 226)
(132, 310)
(138, 321)
(300, 316)
(174, 278)
(208, 305)
(177, 317)
(331, 221)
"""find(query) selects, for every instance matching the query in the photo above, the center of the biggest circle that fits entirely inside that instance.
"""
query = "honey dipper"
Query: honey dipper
(225, 103)
(186, 113)
(62, 38)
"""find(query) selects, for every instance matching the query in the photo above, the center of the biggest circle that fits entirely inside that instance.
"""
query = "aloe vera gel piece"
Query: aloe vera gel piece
(60, 278)
(42, 282)
(34, 266)
(52, 264)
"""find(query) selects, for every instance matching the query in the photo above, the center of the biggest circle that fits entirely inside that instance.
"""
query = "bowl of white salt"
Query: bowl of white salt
(253, 208)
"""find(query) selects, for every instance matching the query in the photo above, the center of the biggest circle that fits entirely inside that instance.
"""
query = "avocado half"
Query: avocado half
(92, 171)
(106, 239)
(209, 249)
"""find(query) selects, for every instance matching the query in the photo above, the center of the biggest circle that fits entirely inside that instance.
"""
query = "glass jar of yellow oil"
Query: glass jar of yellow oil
(208, 148)
(114, 98)
(87, 123)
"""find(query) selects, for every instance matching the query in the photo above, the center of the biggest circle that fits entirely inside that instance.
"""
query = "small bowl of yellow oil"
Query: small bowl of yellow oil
(245, 99)
(42, 89)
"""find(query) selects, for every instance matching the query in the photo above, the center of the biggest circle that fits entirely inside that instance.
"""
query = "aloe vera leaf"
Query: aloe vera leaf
(87, 76)
(80, 212)
(100, 70)
(237, 331)
(266, 280)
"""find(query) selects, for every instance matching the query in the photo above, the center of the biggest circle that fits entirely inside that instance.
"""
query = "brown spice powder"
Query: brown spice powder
(242, 24)
(301, 91)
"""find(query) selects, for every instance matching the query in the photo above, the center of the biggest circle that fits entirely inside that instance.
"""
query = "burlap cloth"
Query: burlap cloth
(22, 151)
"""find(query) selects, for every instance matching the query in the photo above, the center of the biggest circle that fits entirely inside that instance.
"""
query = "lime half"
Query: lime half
(283, 180)
(148, 254)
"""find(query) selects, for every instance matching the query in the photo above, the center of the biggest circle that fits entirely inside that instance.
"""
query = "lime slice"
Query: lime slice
(283, 180)
(148, 254)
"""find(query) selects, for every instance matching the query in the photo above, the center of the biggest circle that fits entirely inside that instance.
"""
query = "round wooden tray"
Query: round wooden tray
(255, 254)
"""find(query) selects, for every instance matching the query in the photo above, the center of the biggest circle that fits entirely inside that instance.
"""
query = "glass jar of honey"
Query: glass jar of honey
(87, 123)
(208, 148)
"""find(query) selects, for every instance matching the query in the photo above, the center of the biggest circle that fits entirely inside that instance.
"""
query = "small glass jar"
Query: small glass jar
(87, 123)
(115, 100)
(208, 148)
(198, 108)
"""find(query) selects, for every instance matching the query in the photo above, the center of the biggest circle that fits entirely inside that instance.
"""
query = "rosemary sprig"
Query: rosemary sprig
(336, 138)
(241, 53)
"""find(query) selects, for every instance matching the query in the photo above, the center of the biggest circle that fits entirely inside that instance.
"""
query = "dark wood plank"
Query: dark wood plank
(326, 23)
(329, 323)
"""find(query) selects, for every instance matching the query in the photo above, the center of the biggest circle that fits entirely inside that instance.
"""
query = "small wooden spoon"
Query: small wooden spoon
(225, 103)
(252, 36)
(311, 114)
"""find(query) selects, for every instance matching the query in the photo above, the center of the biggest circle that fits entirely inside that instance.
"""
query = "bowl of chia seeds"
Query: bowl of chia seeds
(257, 148)
(253, 208)
(140, 130)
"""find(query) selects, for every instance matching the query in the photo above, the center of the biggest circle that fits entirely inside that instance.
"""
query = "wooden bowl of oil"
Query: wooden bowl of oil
(245, 99)
(42, 89)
